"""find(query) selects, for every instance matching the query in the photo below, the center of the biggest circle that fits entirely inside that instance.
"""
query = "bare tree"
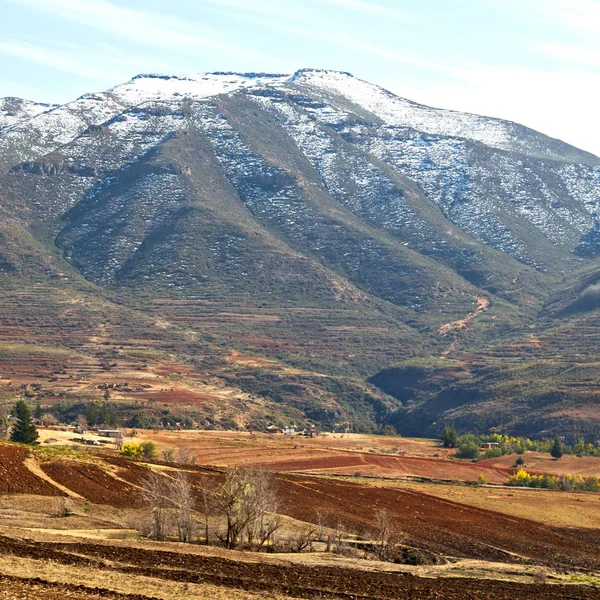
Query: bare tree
(157, 491)
(304, 538)
(168, 454)
(231, 499)
(182, 495)
(48, 419)
(186, 456)
(264, 506)
(81, 421)
(387, 534)
(208, 502)
(248, 501)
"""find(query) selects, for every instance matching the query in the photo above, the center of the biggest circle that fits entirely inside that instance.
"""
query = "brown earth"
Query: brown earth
(93, 483)
(15, 478)
(175, 397)
(395, 466)
(291, 579)
(539, 462)
(439, 525)
(13, 588)
(428, 522)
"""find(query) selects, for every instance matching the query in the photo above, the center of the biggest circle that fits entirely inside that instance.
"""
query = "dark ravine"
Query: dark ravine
(336, 232)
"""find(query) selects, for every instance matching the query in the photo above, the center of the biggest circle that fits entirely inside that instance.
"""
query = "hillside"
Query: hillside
(266, 244)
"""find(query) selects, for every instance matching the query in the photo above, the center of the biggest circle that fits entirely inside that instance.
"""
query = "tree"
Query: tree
(48, 419)
(449, 437)
(182, 495)
(23, 431)
(557, 449)
(148, 449)
(468, 449)
(157, 492)
(3, 426)
(390, 430)
(248, 501)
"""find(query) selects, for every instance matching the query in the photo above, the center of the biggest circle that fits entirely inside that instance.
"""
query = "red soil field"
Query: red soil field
(296, 580)
(395, 466)
(175, 397)
(93, 483)
(15, 478)
(538, 462)
(440, 525)
(13, 588)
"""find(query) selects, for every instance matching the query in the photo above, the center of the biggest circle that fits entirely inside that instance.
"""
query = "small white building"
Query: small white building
(111, 433)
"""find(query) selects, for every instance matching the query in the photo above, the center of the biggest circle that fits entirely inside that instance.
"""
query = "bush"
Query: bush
(566, 483)
(148, 449)
(468, 450)
(493, 453)
(132, 449)
(481, 479)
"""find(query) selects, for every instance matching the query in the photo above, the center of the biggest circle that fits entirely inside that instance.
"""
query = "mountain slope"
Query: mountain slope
(315, 222)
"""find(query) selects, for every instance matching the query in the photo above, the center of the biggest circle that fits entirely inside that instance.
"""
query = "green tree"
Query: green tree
(468, 449)
(38, 411)
(23, 431)
(557, 449)
(389, 430)
(449, 437)
(148, 449)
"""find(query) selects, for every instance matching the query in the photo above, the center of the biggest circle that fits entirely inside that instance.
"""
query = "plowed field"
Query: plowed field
(291, 579)
(439, 525)
(15, 478)
(93, 483)
(394, 466)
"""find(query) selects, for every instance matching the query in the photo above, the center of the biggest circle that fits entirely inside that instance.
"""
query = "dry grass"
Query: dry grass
(562, 509)
(123, 583)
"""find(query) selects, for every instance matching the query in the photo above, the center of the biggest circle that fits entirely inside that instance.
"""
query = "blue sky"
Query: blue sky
(532, 61)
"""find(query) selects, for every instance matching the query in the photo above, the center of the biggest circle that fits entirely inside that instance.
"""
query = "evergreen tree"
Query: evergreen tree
(38, 411)
(23, 431)
(557, 450)
(449, 437)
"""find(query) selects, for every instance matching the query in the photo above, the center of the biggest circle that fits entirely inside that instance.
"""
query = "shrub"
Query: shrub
(132, 449)
(481, 479)
(468, 450)
(148, 449)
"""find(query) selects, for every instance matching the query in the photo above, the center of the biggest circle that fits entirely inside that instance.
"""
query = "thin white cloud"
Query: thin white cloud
(370, 8)
(60, 61)
(153, 29)
(560, 103)
(354, 43)
(581, 15)
(572, 54)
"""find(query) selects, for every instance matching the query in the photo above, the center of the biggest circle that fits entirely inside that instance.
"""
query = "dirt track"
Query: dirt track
(15, 478)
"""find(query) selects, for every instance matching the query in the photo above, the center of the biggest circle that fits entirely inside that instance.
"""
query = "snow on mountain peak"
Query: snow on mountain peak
(15, 110)
(155, 87)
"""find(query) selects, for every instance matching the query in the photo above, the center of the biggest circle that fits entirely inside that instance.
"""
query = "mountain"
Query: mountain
(314, 245)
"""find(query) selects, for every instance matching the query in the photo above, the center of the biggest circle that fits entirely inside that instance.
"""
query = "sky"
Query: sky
(536, 62)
